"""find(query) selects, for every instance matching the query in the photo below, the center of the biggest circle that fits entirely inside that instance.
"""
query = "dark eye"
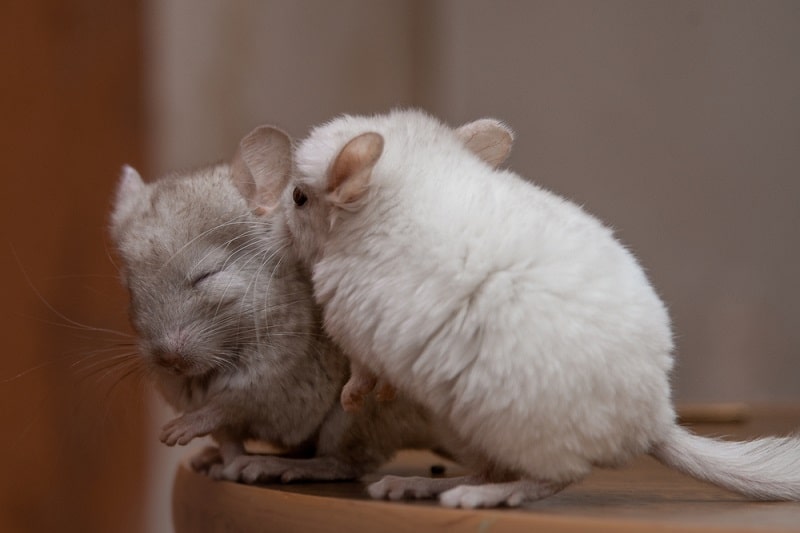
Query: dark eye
(299, 197)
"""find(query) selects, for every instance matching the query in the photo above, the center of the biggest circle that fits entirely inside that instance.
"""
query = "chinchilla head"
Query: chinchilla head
(209, 292)
(333, 173)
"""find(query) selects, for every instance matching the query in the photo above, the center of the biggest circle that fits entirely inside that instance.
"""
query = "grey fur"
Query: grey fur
(228, 331)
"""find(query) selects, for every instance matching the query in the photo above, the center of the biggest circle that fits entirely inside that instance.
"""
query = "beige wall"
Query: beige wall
(676, 122)
(220, 68)
(679, 124)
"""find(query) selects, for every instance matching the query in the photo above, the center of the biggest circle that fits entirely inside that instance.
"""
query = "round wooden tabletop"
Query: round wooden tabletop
(644, 496)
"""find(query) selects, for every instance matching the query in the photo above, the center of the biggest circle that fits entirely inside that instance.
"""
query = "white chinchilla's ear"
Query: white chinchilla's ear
(350, 173)
(262, 167)
(129, 190)
(487, 138)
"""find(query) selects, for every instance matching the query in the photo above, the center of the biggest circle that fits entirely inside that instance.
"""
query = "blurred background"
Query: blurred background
(676, 122)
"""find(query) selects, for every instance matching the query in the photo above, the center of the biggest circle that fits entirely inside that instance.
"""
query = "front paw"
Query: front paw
(183, 429)
(352, 398)
(384, 391)
(354, 392)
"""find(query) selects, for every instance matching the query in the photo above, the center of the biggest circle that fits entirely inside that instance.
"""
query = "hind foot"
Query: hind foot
(397, 488)
(252, 469)
(510, 494)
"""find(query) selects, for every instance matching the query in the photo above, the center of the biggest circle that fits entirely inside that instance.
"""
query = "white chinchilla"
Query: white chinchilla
(527, 329)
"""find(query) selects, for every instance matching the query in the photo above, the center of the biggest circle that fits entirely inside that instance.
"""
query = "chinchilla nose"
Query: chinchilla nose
(167, 358)
(169, 352)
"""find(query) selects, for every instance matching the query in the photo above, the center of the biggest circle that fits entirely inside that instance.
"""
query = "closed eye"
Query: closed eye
(202, 277)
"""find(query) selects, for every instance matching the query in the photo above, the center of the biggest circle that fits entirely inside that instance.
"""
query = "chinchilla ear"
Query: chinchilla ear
(129, 190)
(349, 176)
(262, 167)
(487, 138)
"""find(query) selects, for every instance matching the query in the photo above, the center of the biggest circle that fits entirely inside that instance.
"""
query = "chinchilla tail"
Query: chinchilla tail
(762, 469)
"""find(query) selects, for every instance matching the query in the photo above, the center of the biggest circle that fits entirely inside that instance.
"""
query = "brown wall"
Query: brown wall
(71, 115)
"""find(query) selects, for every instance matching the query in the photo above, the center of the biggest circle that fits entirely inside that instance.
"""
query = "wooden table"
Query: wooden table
(642, 497)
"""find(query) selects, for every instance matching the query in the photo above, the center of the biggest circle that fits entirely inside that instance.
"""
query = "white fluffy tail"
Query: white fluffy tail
(763, 469)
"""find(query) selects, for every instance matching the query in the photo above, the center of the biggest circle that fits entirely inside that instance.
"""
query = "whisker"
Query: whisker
(100, 358)
(105, 368)
(26, 372)
(77, 326)
(59, 314)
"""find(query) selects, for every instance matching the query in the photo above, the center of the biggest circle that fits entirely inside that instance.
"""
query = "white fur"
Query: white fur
(514, 314)
(764, 469)
(511, 313)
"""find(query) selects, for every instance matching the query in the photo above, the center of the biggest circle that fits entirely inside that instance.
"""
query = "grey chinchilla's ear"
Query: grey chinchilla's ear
(129, 190)
(262, 167)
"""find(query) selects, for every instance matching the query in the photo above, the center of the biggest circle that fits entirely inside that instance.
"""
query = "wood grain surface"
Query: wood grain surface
(645, 496)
